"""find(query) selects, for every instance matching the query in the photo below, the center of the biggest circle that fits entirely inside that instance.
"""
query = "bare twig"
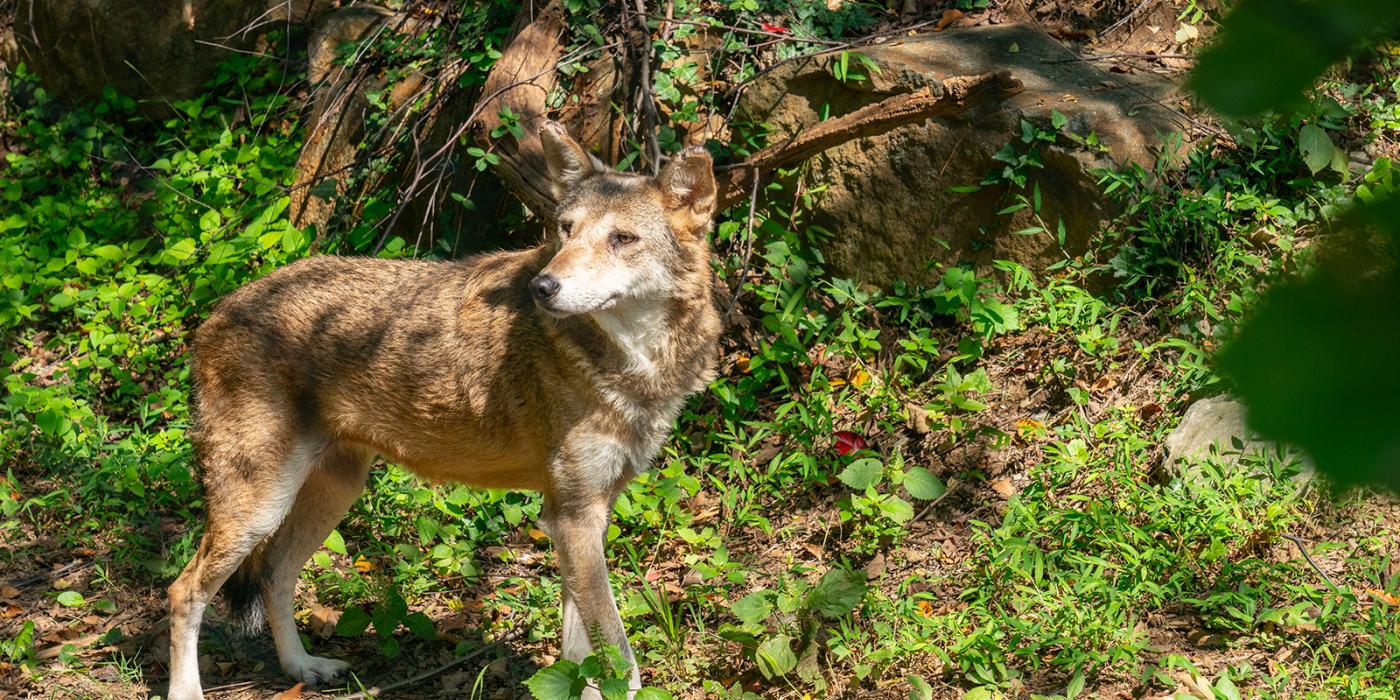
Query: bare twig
(651, 119)
(748, 252)
(51, 575)
(1113, 56)
(1302, 549)
(378, 690)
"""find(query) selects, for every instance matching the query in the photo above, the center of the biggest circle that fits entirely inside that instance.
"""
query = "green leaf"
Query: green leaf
(352, 623)
(1225, 688)
(919, 689)
(862, 473)
(775, 657)
(108, 252)
(181, 249)
(558, 681)
(389, 614)
(52, 421)
(70, 599)
(838, 593)
(897, 509)
(923, 485)
(61, 300)
(1075, 686)
(292, 239)
(653, 694)
(420, 625)
(210, 220)
(335, 543)
(1316, 147)
(614, 688)
(754, 607)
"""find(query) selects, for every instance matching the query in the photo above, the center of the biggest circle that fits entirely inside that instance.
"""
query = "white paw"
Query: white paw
(184, 691)
(314, 670)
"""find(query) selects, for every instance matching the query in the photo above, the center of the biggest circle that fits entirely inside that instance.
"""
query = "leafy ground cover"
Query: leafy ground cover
(952, 490)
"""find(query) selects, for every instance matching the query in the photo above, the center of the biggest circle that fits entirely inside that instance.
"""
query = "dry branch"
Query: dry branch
(957, 96)
(537, 46)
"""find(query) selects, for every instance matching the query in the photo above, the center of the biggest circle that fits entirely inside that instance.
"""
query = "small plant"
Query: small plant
(607, 671)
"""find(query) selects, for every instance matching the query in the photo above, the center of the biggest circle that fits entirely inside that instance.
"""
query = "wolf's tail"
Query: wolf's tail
(243, 593)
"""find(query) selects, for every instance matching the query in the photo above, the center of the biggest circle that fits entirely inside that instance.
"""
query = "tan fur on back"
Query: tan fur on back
(445, 367)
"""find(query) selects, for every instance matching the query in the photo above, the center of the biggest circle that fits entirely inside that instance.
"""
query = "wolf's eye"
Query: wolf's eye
(565, 228)
(621, 238)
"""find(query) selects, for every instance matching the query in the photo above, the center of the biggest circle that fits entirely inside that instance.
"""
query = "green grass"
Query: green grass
(760, 557)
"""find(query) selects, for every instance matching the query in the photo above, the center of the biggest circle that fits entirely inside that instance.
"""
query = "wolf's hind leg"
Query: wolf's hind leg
(335, 481)
(248, 493)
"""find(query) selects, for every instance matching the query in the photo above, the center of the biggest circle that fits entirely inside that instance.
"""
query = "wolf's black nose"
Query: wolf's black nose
(544, 287)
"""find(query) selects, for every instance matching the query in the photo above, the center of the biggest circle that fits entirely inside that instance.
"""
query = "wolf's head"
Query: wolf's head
(622, 238)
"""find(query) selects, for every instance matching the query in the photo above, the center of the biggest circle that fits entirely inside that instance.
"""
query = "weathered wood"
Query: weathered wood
(958, 95)
(521, 80)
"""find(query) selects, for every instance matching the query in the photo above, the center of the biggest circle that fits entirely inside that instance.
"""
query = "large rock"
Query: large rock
(887, 202)
(152, 50)
(1217, 427)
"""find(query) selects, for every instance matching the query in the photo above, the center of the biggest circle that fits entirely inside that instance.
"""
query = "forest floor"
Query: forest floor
(950, 491)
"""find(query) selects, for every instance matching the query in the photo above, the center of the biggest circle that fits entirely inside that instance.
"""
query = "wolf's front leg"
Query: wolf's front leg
(590, 612)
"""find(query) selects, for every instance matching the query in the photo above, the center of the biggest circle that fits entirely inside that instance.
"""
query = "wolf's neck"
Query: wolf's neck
(641, 331)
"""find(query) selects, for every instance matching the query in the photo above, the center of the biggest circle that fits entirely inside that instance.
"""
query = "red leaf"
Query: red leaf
(848, 442)
(773, 28)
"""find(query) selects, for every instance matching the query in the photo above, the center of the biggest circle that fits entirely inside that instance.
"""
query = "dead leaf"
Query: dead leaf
(537, 535)
(1208, 640)
(1187, 33)
(1029, 425)
(9, 592)
(291, 693)
(918, 418)
(10, 610)
(321, 621)
(949, 16)
(692, 578)
(742, 362)
(925, 608)
(1381, 596)
(363, 565)
(859, 377)
(875, 568)
(1149, 411)
(1003, 487)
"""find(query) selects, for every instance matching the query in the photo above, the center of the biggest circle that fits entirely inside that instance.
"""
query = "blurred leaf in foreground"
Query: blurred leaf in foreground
(1270, 51)
(1319, 364)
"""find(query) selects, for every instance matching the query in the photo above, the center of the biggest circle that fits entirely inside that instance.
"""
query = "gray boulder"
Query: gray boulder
(1217, 427)
(887, 202)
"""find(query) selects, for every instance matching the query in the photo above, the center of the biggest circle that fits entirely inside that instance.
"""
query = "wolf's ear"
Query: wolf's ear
(688, 186)
(567, 161)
